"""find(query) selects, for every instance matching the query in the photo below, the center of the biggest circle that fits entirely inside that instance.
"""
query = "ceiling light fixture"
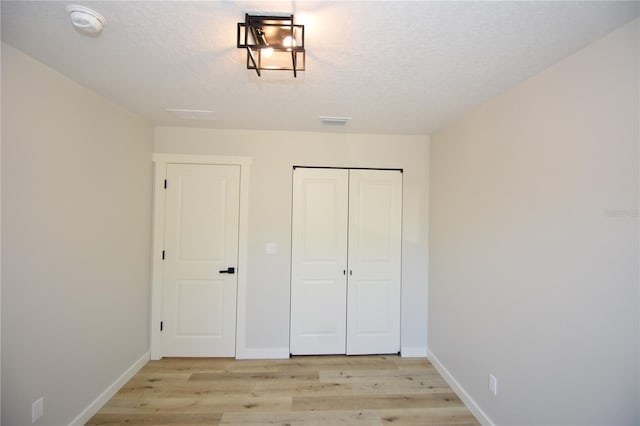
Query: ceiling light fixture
(272, 43)
(86, 20)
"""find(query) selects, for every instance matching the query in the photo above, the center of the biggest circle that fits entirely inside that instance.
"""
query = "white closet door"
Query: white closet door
(319, 256)
(201, 241)
(375, 234)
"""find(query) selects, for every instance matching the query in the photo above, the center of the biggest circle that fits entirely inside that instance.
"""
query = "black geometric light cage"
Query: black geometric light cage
(272, 43)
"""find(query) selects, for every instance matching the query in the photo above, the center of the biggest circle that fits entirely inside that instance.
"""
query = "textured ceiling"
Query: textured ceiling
(394, 67)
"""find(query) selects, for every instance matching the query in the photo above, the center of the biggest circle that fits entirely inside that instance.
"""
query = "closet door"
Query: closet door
(374, 277)
(319, 261)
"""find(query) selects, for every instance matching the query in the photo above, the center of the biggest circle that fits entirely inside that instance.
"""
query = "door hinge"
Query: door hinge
(162, 254)
(165, 184)
(161, 325)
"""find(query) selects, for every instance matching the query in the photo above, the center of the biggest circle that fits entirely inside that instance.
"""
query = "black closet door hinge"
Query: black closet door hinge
(162, 254)
(165, 184)
(161, 324)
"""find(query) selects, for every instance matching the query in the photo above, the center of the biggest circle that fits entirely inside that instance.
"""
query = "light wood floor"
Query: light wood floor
(318, 390)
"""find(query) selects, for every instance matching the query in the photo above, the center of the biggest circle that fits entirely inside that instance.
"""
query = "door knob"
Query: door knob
(229, 270)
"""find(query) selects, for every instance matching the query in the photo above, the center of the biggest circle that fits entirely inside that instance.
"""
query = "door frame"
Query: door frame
(160, 162)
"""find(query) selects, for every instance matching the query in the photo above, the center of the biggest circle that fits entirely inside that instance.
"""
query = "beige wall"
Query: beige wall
(76, 189)
(534, 243)
(273, 155)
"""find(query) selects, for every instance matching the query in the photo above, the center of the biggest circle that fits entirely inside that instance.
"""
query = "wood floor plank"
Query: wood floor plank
(104, 419)
(330, 362)
(443, 416)
(303, 388)
(152, 377)
(316, 390)
(363, 402)
(315, 418)
(389, 381)
(412, 362)
(405, 374)
(183, 389)
(347, 388)
(217, 404)
(391, 387)
(187, 364)
(255, 377)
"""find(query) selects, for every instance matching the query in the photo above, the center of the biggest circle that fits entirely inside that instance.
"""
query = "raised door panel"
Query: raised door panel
(319, 255)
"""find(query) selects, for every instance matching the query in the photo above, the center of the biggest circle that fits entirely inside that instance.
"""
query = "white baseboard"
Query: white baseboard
(262, 353)
(475, 409)
(108, 393)
(413, 352)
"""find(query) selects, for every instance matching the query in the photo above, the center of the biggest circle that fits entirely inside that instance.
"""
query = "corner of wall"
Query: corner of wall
(472, 405)
(110, 391)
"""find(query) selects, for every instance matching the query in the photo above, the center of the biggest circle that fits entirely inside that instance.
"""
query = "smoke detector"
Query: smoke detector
(86, 20)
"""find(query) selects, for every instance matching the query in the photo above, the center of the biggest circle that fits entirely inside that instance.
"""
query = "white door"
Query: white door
(319, 261)
(346, 261)
(201, 252)
(375, 238)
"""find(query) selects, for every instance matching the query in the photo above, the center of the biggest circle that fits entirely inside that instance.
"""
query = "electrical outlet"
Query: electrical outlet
(493, 384)
(37, 410)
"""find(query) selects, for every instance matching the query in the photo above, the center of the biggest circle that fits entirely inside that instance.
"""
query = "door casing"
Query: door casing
(160, 162)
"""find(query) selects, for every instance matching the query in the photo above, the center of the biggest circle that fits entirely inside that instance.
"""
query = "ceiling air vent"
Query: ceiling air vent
(324, 119)
(192, 114)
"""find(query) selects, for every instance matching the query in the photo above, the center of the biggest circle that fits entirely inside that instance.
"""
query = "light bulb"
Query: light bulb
(267, 52)
(288, 42)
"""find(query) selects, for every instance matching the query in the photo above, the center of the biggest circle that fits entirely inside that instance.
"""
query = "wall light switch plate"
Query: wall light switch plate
(271, 248)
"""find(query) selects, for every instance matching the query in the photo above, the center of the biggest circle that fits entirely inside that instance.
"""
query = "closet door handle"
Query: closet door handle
(229, 270)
